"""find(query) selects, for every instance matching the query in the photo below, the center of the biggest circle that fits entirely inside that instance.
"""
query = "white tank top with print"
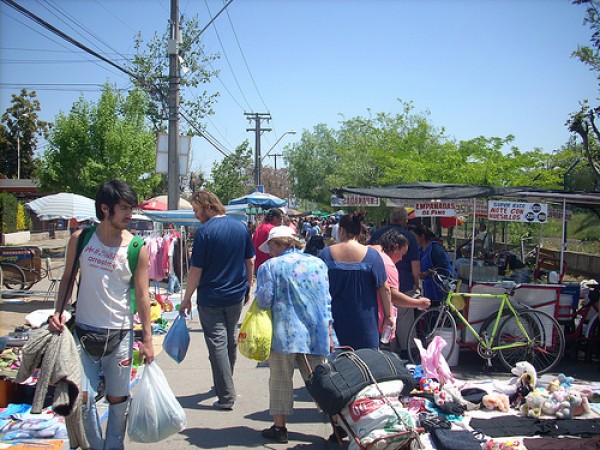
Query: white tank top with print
(103, 297)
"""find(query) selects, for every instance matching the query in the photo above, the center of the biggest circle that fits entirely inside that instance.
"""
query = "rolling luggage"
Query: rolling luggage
(333, 384)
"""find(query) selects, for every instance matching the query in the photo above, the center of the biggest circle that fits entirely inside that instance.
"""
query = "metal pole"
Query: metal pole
(18, 157)
(173, 142)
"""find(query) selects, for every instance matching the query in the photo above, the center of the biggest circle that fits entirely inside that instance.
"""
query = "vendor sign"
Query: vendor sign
(354, 200)
(437, 209)
(517, 211)
(554, 213)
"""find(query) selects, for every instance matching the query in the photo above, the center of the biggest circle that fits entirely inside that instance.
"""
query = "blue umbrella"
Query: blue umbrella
(266, 201)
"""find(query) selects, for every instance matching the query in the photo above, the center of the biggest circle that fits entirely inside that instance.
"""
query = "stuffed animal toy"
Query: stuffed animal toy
(578, 404)
(533, 404)
(496, 401)
(565, 381)
(525, 380)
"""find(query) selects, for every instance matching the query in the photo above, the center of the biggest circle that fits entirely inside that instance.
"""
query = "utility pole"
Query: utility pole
(275, 156)
(257, 118)
(173, 143)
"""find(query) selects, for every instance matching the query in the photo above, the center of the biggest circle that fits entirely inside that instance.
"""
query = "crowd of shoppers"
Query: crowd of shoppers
(337, 291)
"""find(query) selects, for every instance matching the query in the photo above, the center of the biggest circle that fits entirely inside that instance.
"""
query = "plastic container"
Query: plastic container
(386, 334)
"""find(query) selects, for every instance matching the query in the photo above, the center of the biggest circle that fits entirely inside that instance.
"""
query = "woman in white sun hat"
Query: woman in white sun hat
(295, 286)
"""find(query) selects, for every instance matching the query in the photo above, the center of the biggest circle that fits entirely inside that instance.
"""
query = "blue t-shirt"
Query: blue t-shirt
(221, 247)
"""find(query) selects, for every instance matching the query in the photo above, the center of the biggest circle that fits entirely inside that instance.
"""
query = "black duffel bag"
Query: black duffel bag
(333, 384)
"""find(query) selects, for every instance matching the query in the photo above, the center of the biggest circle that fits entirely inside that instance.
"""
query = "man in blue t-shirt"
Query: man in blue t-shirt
(221, 270)
(408, 271)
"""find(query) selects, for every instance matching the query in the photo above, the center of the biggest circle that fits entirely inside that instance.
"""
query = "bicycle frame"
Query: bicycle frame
(487, 342)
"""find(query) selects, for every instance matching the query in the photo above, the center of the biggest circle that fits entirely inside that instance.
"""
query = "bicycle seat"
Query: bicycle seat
(508, 285)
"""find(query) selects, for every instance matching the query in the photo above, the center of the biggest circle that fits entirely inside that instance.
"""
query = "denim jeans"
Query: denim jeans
(116, 368)
(220, 326)
(174, 285)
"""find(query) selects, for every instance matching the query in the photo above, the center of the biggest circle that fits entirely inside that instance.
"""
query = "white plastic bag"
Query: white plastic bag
(155, 413)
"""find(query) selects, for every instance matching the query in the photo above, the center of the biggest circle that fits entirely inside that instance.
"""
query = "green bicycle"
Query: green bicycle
(513, 334)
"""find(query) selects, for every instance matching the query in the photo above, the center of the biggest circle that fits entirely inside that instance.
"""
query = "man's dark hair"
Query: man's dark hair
(391, 240)
(272, 214)
(110, 192)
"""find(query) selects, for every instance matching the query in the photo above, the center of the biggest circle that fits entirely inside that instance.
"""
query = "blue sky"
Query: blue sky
(480, 67)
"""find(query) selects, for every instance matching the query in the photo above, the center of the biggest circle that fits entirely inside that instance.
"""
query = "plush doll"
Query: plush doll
(533, 404)
(525, 380)
(578, 404)
(496, 401)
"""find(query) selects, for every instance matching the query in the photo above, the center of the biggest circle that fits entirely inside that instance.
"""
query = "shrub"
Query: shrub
(8, 212)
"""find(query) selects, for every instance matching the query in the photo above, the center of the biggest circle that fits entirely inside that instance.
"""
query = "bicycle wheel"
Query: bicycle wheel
(14, 277)
(547, 341)
(427, 325)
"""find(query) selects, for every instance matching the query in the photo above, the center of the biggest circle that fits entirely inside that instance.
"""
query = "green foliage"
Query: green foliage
(151, 66)
(95, 143)
(19, 133)
(21, 222)
(8, 212)
(386, 149)
(231, 174)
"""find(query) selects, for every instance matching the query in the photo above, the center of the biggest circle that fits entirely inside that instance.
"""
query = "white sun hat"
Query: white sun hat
(277, 232)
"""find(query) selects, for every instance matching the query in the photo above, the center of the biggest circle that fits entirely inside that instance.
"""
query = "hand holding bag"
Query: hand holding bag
(177, 340)
(254, 339)
(155, 413)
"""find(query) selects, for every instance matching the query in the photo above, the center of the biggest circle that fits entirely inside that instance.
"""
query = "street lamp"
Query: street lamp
(277, 142)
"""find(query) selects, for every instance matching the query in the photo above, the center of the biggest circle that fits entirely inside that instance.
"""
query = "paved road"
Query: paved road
(207, 428)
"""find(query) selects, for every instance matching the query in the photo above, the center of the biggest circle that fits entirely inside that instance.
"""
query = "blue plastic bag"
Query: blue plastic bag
(177, 340)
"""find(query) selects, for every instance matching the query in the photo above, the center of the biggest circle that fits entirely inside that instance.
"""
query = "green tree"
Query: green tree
(98, 142)
(310, 161)
(20, 130)
(584, 121)
(391, 149)
(233, 174)
(152, 70)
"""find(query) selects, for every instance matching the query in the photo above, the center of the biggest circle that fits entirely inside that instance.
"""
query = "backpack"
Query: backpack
(133, 251)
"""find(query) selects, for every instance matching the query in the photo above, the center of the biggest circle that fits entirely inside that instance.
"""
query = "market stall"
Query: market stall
(497, 204)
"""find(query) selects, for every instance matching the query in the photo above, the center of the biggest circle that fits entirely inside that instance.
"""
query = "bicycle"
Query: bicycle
(513, 334)
(22, 267)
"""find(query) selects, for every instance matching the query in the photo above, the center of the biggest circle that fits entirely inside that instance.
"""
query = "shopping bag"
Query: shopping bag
(254, 339)
(177, 340)
(155, 413)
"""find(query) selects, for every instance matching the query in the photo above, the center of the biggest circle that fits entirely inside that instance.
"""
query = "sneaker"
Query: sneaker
(223, 406)
(276, 434)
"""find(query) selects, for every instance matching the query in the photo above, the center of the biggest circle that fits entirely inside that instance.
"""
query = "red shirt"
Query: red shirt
(261, 235)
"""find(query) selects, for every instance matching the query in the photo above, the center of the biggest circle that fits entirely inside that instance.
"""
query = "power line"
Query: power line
(69, 39)
(246, 62)
(205, 134)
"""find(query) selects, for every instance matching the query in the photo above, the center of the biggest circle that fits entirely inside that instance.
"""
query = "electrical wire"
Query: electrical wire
(227, 60)
(71, 40)
(79, 25)
(246, 62)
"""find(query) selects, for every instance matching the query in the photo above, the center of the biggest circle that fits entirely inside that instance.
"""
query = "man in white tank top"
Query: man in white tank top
(104, 323)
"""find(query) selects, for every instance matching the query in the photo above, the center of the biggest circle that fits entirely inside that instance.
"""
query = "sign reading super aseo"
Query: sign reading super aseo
(517, 211)
(354, 200)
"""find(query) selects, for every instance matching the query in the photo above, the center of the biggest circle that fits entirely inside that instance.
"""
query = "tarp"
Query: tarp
(185, 217)
(425, 190)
